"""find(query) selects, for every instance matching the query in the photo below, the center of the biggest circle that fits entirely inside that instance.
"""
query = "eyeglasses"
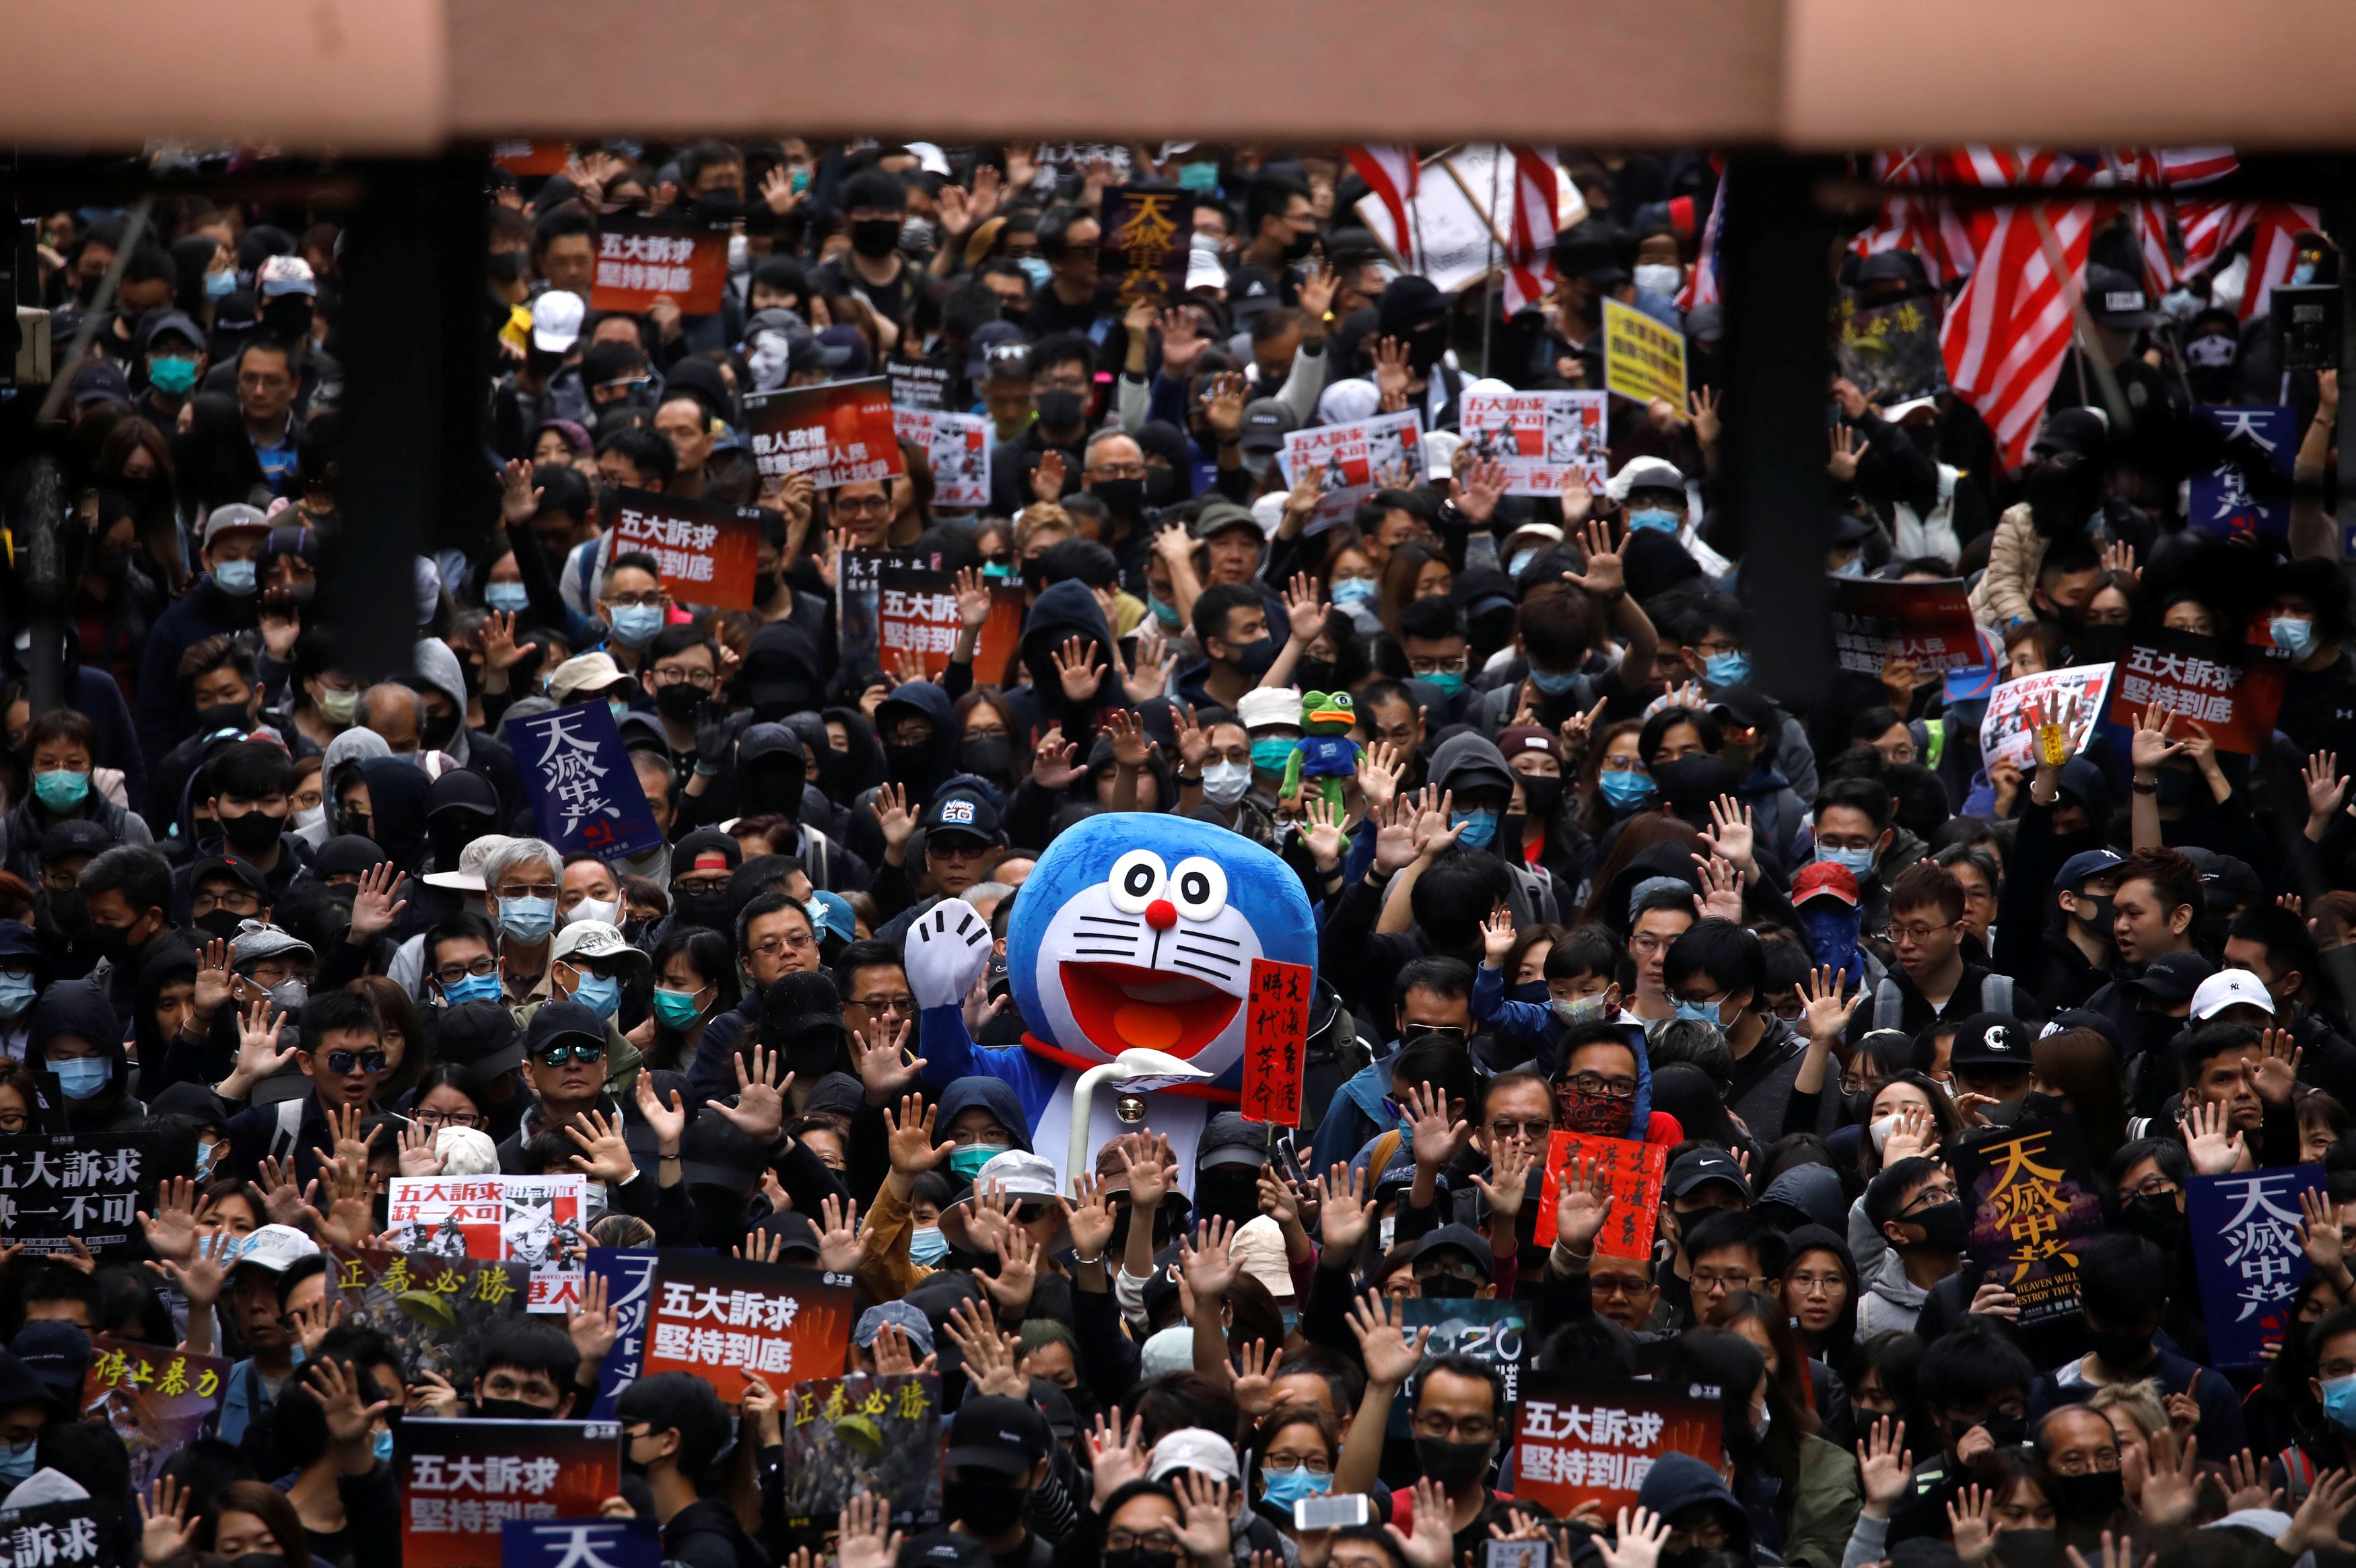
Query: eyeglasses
(1616, 1285)
(1119, 1540)
(1031, 1214)
(1437, 665)
(1471, 1429)
(2154, 1186)
(357, 1061)
(797, 941)
(1815, 1283)
(1118, 471)
(446, 1119)
(1596, 1084)
(700, 679)
(1646, 942)
(237, 901)
(715, 884)
(863, 506)
(1914, 936)
(582, 1051)
(1285, 1464)
(635, 601)
(451, 974)
(902, 1006)
(1709, 1284)
(1929, 1197)
(1537, 1131)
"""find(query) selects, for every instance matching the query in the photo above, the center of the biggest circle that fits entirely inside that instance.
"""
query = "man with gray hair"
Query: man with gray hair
(521, 880)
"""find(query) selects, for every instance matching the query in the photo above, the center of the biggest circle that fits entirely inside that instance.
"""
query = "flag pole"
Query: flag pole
(2104, 379)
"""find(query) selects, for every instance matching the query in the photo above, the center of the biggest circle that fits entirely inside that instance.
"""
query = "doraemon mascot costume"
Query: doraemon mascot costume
(1132, 930)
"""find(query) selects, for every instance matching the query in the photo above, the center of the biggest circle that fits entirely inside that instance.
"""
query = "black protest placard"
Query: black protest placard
(57, 1188)
(53, 1535)
(1147, 234)
(866, 1433)
(2032, 1204)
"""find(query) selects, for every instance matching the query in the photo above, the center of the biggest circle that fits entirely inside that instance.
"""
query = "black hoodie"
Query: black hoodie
(400, 797)
(81, 1008)
(1065, 610)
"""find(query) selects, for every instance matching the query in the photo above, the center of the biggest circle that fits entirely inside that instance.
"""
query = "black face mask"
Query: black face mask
(1161, 483)
(1230, 1193)
(2093, 914)
(772, 786)
(512, 1410)
(438, 733)
(906, 760)
(2089, 1499)
(1139, 1557)
(2027, 1548)
(722, 204)
(1299, 245)
(1254, 657)
(1425, 345)
(1061, 409)
(1541, 795)
(700, 909)
(795, 699)
(1446, 1287)
(2119, 1351)
(223, 924)
(288, 318)
(1315, 675)
(1121, 498)
(986, 1508)
(64, 913)
(992, 756)
(765, 586)
(1946, 1228)
(507, 266)
(1451, 1463)
(255, 833)
(2037, 1107)
(111, 942)
(2153, 1218)
(875, 238)
(678, 702)
(1855, 1105)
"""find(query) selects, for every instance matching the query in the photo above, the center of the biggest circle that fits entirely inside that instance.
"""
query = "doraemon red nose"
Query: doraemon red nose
(1162, 914)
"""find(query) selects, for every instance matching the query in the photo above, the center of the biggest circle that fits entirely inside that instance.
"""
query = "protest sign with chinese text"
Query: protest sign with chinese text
(865, 1433)
(839, 434)
(585, 794)
(628, 1273)
(1644, 360)
(461, 1482)
(1890, 352)
(55, 1535)
(2074, 696)
(1587, 1439)
(69, 1185)
(642, 260)
(2209, 682)
(1355, 459)
(524, 157)
(708, 550)
(1928, 625)
(156, 1400)
(958, 446)
(434, 1310)
(1634, 1171)
(916, 385)
(1541, 437)
(1276, 1041)
(539, 1221)
(2246, 1248)
(723, 1318)
(1495, 1332)
(2032, 1205)
(1146, 235)
(2244, 492)
(580, 1544)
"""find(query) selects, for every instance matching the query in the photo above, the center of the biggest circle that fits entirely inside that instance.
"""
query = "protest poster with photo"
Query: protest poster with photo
(1580, 1439)
(1890, 352)
(1644, 360)
(2246, 493)
(2074, 696)
(542, 1221)
(584, 792)
(1147, 232)
(1928, 625)
(2245, 1249)
(839, 434)
(958, 447)
(2032, 1204)
(708, 550)
(580, 1543)
(157, 1401)
(1495, 1332)
(1276, 1032)
(1542, 438)
(641, 260)
(1635, 1172)
(434, 1310)
(2209, 682)
(55, 1535)
(916, 385)
(1355, 459)
(880, 1434)
(64, 1186)
(461, 1481)
(723, 1318)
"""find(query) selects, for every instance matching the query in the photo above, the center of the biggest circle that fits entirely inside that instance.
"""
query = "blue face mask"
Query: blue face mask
(60, 789)
(508, 596)
(636, 625)
(1480, 828)
(1701, 1012)
(383, 1447)
(1554, 683)
(16, 993)
(2292, 635)
(1198, 176)
(1659, 517)
(1165, 613)
(172, 374)
(473, 988)
(601, 994)
(927, 1245)
(222, 284)
(1036, 269)
(207, 1154)
(618, 708)
(1352, 590)
(234, 577)
(1271, 756)
(1726, 669)
(1449, 682)
(529, 921)
(16, 1462)
(83, 1076)
(1535, 992)
(967, 1163)
(1853, 566)
(2340, 1403)
(1858, 862)
(1286, 1488)
(1626, 790)
(1521, 560)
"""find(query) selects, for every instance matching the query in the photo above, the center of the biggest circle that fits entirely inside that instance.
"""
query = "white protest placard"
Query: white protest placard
(1542, 438)
(543, 1221)
(1462, 218)
(1353, 460)
(2005, 733)
(958, 446)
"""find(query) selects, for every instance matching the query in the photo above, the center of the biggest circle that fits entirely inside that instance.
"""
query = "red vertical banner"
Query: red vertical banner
(1635, 1170)
(1276, 1041)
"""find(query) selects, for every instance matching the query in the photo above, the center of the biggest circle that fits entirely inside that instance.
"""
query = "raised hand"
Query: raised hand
(500, 650)
(1849, 447)
(1182, 343)
(1378, 774)
(165, 1527)
(1209, 1264)
(1482, 487)
(988, 1355)
(1638, 1541)
(1578, 729)
(1345, 1212)
(1433, 1543)
(1053, 764)
(1585, 1199)
(1092, 1219)
(866, 1539)
(2316, 1522)
(1702, 404)
(596, 1325)
(669, 1124)
(1971, 1524)
(1392, 375)
(1305, 610)
(841, 1246)
(1132, 747)
(1384, 1350)
(884, 1067)
(338, 1389)
(1048, 479)
(1885, 1466)
(894, 818)
(1321, 823)
(1604, 577)
(1497, 936)
(1828, 1016)
(1206, 1508)
(172, 1229)
(1254, 1379)
(1120, 1455)
(2273, 1073)
(1317, 284)
(604, 1156)
(1148, 675)
(1510, 1165)
(1153, 1174)
(760, 1108)
(1721, 889)
(2319, 1233)
(1077, 670)
(2153, 743)
(519, 496)
(1223, 405)
(1732, 834)
(1437, 1135)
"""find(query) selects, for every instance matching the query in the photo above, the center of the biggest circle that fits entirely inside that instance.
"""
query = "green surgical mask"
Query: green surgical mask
(967, 1163)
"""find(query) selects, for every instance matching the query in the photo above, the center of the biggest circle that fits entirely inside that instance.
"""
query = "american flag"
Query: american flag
(1529, 258)
(1395, 177)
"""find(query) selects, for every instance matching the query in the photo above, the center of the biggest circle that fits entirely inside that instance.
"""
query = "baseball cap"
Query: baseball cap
(2231, 989)
(1646, 474)
(1220, 516)
(245, 871)
(2174, 976)
(943, 1548)
(587, 675)
(1228, 1139)
(75, 835)
(830, 912)
(998, 1432)
(19, 1384)
(997, 346)
(899, 1315)
(159, 322)
(1194, 1448)
(468, 877)
(1747, 708)
(101, 381)
(678, 1402)
(275, 1249)
(561, 1021)
(1459, 1238)
(2115, 299)
(1021, 1173)
(285, 275)
(963, 814)
(58, 1354)
(231, 518)
(2085, 864)
(481, 1037)
(1266, 422)
(597, 939)
(1826, 880)
(255, 941)
(2081, 430)
(1990, 1039)
(1697, 1167)
(556, 321)
(1250, 291)
(1266, 706)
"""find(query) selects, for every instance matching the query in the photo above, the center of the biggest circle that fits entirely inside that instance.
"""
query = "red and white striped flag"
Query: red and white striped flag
(1395, 177)
(1703, 287)
(1529, 253)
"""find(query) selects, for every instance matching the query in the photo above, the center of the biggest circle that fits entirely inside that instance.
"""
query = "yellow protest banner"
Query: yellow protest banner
(1642, 359)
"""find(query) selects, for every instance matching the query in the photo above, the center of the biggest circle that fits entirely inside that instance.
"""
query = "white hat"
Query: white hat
(2231, 989)
(1345, 402)
(929, 157)
(1439, 455)
(1021, 1173)
(1170, 1351)
(468, 877)
(1204, 271)
(597, 939)
(556, 321)
(1258, 1246)
(1194, 1448)
(1266, 706)
(285, 275)
(1646, 474)
(276, 1248)
(467, 1151)
(1269, 512)
(586, 675)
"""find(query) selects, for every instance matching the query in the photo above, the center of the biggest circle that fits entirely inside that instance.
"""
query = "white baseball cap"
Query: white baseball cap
(468, 877)
(275, 1248)
(1646, 474)
(597, 939)
(556, 321)
(1264, 706)
(1021, 1173)
(2231, 989)
(1194, 1448)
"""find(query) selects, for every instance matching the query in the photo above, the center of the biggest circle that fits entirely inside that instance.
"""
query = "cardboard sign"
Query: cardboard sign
(916, 385)
(1890, 352)
(877, 1435)
(461, 1482)
(723, 1318)
(2245, 494)
(584, 791)
(1927, 624)
(434, 1310)
(1542, 438)
(1147, 235)
(580, 1544)
(1355, 459)
(1276, 1036)
(642, 260)
(839, 434)
(69, 1185)
(539, 1221)
(2004, 731)
(157, 1401)
(1495, 1332)
(54, 1535)
(2245, 1230)
(1583, 1439)
(708, 550)
(2032, 1204)
(1644, 360)
(958, 447)
(1634, 1171)
(2211, 682)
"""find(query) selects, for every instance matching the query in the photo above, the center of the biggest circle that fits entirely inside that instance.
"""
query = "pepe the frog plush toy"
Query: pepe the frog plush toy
(1326, 753)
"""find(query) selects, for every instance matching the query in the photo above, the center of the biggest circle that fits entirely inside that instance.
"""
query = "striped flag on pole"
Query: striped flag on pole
(1395, 177)
(1704, 286)
(1529, 256)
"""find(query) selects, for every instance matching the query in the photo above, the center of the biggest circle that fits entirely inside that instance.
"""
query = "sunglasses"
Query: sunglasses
(1031, 1214)
(556, 1055)
(357, 1061)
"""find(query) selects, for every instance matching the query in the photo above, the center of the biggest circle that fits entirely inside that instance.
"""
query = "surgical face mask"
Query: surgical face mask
(607, 909)
(382, 1446)
(1858, 862)
(60, 789)
(601, 994)
(83, 1076)
(1165, 613)
(1726, 669)
(15, 995)
(1627, 789)
(1036, 269)
(1520, 561)
(1271, 756)
(473, 988)
(1286, 1488)
(2340, 1403)
(1659, 517)
(1853, 566)
(1577, 1011)
(17, 1461)
(234, 577)
(2292, 635)
(222, 284)
(677, 1009)
(172, 376)
(207, 1154)
(1224, 783)
(618, 708)
(288, 995)
(1657, 277)
(509, 597)
(1700, 1012)
(967, 1163)
(1478, 829)
(927, 1245)
(1447, 682)
(1554, 683)
(636, 625)
(1881, 1130)
(340, 706)
(1352, 590)
(529, 921)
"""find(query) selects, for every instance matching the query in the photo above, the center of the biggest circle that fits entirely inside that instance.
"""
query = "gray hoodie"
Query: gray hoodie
(354, 745)
(438, 665)
(1890, 1299)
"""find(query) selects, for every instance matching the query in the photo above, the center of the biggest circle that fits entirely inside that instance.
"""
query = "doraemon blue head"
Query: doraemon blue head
(1135, 930)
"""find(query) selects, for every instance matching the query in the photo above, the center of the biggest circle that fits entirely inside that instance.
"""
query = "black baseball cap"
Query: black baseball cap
(2085, 864)
(998, 1432)
(75, 835)
(1458, 1238)
(1697, 1167)
(2173, 976)
(561, 1021)
(1228, 1139)
(481, 1037)
(962, 814)
(1992, 1039)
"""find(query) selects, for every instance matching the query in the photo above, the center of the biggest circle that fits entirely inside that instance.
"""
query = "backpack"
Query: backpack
(1889, 1003)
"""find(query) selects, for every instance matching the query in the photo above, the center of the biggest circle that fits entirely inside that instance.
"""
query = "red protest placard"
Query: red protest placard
(1634, 1169)
(527, 157)
(1584, 1439)
(917, 612)
(839, 434)
(639, 261)
(720, 1319)
(1929, 624)
(2231, 696)
(1276, 1035)
(461, 1480)
(708, 550)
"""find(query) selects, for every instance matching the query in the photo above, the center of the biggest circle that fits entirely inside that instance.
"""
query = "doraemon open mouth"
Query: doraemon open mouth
(1149, 1008)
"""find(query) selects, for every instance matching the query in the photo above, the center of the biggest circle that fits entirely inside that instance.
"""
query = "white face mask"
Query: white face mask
(1659, 278)
(740, 255)
(1224, 783)
(311, 816)
(1386, 1230)
(1882, 1129)
(596, 909)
